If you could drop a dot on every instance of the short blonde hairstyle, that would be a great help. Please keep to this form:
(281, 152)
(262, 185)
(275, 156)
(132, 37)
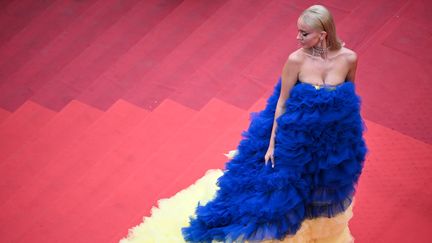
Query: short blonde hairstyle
(319, 17)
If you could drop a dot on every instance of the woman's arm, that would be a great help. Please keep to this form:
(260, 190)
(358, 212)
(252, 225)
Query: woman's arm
(352, 60)
(289, 78)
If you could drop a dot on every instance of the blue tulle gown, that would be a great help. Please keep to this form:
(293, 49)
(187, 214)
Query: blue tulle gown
(319, 155)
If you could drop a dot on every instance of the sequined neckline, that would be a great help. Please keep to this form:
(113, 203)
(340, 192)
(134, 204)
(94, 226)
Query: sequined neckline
(320, 86)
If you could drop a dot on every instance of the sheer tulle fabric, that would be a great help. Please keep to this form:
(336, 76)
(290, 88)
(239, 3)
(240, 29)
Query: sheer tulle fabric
(167, 219)
(319, 154)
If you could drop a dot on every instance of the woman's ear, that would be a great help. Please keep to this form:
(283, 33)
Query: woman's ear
(323, 35)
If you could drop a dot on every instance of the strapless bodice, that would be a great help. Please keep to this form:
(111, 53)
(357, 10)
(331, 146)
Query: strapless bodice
(320, 86)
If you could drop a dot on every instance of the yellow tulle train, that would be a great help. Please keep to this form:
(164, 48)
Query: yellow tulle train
(172, 214)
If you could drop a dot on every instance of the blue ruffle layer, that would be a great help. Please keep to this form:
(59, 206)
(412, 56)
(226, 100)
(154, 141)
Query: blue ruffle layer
(319, 155)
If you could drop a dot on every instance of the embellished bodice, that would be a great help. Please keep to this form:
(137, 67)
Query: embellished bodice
(320, 86)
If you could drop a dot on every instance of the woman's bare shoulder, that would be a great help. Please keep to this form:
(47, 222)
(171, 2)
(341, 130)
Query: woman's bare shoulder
(349, 54)
(296, 57)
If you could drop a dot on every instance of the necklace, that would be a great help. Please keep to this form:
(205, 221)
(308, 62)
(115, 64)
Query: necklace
(319, 51)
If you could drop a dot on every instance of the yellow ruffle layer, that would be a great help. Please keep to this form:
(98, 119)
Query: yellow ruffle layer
(173, 213)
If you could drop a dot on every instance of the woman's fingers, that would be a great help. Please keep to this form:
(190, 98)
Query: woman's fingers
(271, 158)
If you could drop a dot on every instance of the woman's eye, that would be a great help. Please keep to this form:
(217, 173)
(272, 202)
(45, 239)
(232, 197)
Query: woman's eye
(304, 34)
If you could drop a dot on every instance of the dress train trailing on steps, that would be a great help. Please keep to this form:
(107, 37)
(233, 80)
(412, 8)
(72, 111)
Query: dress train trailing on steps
(307, 197)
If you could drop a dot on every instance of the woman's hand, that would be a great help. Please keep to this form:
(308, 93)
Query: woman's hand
(270, 155)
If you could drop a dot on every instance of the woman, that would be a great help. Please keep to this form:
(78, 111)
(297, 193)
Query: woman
(294, 173)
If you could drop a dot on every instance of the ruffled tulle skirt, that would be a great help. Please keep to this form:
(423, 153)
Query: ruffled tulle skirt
(172, 214)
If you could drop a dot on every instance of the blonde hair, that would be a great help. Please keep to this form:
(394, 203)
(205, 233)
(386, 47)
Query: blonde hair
(319, 17)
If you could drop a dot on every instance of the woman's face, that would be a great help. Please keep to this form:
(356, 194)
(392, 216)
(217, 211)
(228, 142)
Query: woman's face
(306, 36)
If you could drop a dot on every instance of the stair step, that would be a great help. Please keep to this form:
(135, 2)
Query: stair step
(34, 155)
(22, 126)
(213, 156)
(4, 114)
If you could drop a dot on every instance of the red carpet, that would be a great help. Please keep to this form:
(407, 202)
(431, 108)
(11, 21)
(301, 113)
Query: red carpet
(107, 106)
